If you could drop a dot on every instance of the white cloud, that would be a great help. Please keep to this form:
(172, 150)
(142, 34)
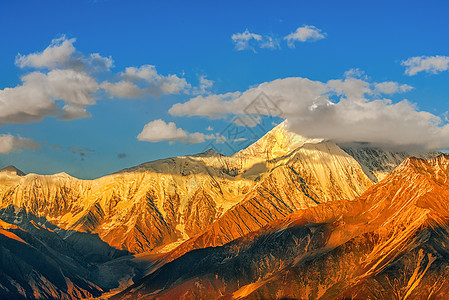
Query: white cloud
(35, 98)
(27, 102)
(430, 64)
(56, 55)
(250, 41)
(9, 143)
(65, 75)
(304, 34)
(270, 42)
(243, 40)
(349, 87)
(159, 130)
(213, 106)
(203, 87)
(196, 138)
(145, 80)
(62, 54)
(65, 84)
(343, 110)
(73, 87)
(73, 112)
(355, 73)
(122, 89)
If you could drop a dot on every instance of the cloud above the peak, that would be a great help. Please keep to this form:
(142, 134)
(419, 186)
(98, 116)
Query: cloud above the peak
(10, 143)
(429, 64)
(159, 131)
(343, 110)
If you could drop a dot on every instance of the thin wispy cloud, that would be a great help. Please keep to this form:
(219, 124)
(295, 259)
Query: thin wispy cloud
(428, 64)
(252, 41)
(244, 40)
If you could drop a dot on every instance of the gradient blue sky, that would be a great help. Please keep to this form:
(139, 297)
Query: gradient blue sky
(192, 39)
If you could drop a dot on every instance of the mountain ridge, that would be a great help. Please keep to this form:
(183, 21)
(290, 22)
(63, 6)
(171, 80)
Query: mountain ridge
(387, 243)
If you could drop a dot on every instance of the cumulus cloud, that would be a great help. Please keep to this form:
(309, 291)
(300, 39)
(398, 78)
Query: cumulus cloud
(56, 55)
(10, 143)
(65, 82)
(304, 34)
(145, 80)
(35, 98)
(430, 64)
(159, 130)
(64, 75)
(62, 54)
(342, 110)
(212, 106)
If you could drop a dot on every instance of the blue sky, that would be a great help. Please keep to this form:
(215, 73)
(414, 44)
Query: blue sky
(202, 50)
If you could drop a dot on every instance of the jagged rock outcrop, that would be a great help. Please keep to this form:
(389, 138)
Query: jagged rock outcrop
(377, 163)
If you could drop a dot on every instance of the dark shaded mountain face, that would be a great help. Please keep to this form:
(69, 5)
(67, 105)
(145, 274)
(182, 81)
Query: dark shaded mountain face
(40, 260)
(389, 243)
(30, 268)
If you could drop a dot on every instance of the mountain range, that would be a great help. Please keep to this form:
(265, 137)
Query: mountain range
(241, 226)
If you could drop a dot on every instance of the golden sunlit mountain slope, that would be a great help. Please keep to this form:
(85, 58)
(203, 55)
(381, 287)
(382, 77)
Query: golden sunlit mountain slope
(389, 243)
(157, 205)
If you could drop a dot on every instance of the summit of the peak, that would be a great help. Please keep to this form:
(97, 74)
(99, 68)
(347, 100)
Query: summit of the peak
(277, 142)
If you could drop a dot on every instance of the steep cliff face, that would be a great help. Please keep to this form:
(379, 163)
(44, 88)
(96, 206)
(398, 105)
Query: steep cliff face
(389, 243)
(158, 205)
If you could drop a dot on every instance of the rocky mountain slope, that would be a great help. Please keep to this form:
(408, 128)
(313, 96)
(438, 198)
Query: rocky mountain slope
(107, 233)
(157, 205)
(377, 163)
(389, 243)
